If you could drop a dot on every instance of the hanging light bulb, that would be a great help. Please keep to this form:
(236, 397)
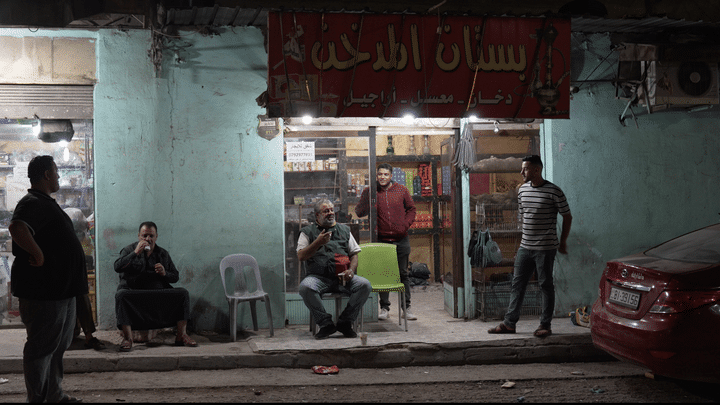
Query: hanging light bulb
(306, 119)
(497, 127)
(66, 154)
(408, 119)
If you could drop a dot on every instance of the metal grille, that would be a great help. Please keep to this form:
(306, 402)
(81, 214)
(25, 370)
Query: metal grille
(46, 101)
(493, 301)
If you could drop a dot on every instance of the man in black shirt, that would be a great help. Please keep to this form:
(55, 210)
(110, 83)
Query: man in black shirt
(47, 274)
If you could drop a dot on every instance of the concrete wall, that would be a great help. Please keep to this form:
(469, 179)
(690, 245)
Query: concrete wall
(629, 188)
(181, 149)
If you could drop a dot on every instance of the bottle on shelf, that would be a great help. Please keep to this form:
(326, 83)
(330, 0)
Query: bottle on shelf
(390, 150)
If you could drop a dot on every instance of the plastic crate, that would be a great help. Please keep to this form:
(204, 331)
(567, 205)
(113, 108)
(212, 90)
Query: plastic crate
(493, 300)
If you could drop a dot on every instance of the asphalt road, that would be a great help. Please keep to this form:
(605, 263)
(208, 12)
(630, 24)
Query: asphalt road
(567, 382)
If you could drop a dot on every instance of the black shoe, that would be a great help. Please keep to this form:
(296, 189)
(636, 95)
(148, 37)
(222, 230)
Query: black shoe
(346, 329)
(326, 331)
(94, 343)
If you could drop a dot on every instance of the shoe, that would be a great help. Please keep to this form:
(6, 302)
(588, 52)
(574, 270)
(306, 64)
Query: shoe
(383, 314)
(542, 331)
(501, 329)
(410, 316)
(326, 331)
(346, 329)
(126, 345)
(186, 341)
(70, 400)
(94, 343)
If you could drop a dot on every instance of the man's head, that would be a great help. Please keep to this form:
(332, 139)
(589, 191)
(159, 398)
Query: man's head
(384, 174)
(43, 173)
(148, 232)
(325, 213)
(531, 169)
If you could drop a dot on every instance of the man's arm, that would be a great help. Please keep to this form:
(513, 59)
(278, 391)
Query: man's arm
(363, 206)
(410, 209)
(22, 236)
(567, 223)
(308, 251)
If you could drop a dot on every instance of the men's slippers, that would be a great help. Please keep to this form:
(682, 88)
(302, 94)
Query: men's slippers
(501, 329)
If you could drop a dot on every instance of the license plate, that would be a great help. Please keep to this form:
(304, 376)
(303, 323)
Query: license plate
(625, 298)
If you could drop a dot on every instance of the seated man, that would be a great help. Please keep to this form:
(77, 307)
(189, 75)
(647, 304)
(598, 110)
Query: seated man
(331, 255)
(145, 299)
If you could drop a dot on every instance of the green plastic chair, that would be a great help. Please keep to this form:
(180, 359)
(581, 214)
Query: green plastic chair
(377, 262)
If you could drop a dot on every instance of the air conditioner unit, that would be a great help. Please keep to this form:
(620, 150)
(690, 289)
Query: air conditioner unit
(681, 83)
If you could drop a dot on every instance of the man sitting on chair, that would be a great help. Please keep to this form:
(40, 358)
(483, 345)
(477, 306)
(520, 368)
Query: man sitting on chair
(330, 253)
(145, 299)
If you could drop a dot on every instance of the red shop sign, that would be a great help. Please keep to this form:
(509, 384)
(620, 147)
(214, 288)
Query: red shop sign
(379, 65)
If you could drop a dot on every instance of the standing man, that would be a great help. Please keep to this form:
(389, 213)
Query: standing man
(330, 252)
(47, 275)
(539, 203)
(395, 215)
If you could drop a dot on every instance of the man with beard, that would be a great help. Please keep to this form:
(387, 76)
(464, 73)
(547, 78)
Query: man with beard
(330, 252)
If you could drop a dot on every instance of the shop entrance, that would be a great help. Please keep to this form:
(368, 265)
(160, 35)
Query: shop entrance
(346, 154)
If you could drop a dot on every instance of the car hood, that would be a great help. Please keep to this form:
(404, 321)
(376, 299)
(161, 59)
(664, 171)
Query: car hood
(661, 265)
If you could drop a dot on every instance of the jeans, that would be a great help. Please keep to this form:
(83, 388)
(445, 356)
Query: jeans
(313, 287)
(49, 326)
(526, 262)
(403, 256)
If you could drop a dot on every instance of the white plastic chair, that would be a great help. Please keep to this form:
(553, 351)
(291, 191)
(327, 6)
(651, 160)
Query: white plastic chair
(238, 263)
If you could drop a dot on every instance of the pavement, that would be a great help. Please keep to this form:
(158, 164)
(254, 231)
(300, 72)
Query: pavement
(434, 339)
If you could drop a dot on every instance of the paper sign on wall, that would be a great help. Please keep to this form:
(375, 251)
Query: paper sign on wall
(300, 151)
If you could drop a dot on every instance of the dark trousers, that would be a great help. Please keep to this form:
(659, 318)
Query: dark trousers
(527, 262)
(49, 326)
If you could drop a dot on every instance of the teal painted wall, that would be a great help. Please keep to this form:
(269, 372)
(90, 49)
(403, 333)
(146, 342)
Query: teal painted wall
(181, 149)
(629, 188)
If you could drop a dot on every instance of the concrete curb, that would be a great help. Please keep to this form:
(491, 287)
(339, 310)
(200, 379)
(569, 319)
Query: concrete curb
(554, 349)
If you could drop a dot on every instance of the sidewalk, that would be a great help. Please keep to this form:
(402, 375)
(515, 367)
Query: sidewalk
(434, 339)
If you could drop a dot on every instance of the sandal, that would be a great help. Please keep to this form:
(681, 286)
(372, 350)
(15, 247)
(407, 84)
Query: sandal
(501, 329)
(186, 341)
(126, 345)
(542, 332)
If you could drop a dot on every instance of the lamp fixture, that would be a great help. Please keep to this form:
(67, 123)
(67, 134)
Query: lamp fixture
(307, 119)
(52, 131)
(497, 127)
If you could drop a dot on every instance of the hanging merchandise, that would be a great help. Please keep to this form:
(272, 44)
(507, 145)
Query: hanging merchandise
(390, 150)
(483, 251)
(464, 154)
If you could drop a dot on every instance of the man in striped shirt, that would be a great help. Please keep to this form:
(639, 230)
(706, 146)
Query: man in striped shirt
(540, 201)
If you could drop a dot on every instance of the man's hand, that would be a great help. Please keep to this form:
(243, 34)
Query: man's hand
(159, 269)
(346, 276)
(324, 237)
(37, 259)
(563, 247)
(141, 247)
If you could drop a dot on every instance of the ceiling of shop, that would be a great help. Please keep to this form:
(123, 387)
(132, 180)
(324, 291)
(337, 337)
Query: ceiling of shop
(643, 17)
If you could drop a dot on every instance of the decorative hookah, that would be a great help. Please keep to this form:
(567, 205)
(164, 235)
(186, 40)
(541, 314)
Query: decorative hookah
(412, 145)
(426, 149)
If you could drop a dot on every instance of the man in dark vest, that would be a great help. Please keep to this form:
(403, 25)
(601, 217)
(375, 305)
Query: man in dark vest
(330, 253)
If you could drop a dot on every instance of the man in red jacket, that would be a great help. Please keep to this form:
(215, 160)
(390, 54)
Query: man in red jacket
(395, 213)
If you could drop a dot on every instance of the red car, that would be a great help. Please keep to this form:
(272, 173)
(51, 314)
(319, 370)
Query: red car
(661, 308)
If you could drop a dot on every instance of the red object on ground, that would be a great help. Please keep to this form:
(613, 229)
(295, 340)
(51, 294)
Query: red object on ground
(325, 370)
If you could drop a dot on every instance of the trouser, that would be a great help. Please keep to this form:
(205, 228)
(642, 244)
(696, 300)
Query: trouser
(49, 326)
(403, 256)
(526, 262)
(85, 320)
(313, 287)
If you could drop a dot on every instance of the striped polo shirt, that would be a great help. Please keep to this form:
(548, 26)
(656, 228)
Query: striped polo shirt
(538, 210)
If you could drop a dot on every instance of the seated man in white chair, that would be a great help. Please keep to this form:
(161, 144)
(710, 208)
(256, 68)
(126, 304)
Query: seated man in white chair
(330, 252)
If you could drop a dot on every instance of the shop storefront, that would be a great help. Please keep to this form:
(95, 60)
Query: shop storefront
(407, 90)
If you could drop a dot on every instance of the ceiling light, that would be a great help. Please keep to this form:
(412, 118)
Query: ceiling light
(497, 127)
(307, 120)
(408, 119)
(55, 130)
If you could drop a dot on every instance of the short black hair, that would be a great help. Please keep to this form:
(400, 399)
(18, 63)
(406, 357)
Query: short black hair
(386, 166)
(149, 224)
(38, 166)
(533, 159)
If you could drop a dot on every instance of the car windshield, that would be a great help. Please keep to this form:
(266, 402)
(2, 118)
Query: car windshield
(701, 246)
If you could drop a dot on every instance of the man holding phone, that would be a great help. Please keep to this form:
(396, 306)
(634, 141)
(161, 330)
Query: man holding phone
(330, 252)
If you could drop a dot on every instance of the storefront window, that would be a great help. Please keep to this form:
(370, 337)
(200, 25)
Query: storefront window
(19, 143)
